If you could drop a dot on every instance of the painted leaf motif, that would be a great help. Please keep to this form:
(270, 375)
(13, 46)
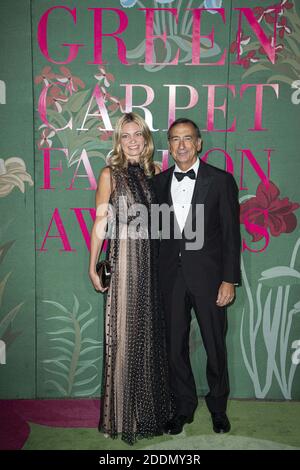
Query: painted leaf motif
(280, 276)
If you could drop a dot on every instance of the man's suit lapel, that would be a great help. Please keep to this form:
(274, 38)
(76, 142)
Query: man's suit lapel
(166, 186)
(169, 183)
(202, 184)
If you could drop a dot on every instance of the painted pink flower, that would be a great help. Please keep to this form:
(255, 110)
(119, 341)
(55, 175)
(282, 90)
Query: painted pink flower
(106, 77)
(283, 27)
(46, 76)
(105, 135)
(284, 5)
(278, 48)
(241, 40)
(116, 104)
(72, 82)
(267, 13)
(55, 97)
(281, 217)
(259, 12)
(250, 57)
(270, 15)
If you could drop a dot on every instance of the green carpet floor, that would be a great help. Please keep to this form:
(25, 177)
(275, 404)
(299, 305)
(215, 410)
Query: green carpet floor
(254, 425)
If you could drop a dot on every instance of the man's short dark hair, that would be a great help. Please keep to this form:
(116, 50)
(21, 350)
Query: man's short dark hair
(185, 121)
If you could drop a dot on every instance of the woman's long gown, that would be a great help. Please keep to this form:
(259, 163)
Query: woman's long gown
(136, 401)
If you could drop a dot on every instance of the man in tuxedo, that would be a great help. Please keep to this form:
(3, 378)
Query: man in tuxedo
(195, 276)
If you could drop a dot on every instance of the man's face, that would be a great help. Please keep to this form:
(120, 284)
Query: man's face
(184, 145)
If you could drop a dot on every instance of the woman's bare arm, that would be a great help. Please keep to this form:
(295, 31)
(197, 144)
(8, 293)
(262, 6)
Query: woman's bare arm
(99, 228)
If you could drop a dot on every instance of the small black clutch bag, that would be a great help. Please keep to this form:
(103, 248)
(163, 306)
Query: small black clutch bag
(103, 270)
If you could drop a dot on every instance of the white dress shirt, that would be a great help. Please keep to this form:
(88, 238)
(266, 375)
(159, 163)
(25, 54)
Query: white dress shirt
(182, 193)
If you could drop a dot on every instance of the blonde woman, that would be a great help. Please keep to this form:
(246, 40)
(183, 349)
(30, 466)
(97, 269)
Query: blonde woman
(135, 399)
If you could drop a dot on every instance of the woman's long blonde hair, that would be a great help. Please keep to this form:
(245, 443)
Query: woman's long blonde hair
(117, 160)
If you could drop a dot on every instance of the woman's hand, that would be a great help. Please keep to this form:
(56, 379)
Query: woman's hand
(99, 227)
(96, 282)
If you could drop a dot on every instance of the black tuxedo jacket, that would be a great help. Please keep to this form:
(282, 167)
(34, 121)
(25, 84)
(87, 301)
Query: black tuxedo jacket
(219, 258)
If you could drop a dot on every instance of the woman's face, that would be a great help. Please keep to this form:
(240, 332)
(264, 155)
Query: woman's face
(132, 141)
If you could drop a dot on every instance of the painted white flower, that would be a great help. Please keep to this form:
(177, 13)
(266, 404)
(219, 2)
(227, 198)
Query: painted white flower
(47, 134)
(13, 173)
(212, 4)
(106, 77)
(128, 3)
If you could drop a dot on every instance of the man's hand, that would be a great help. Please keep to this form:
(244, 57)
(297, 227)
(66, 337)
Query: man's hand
(226, 294)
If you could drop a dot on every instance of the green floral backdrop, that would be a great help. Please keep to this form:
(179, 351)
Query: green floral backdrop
(51, 319)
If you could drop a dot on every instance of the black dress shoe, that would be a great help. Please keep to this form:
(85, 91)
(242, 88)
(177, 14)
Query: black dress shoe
(221, 423)
(175, 425)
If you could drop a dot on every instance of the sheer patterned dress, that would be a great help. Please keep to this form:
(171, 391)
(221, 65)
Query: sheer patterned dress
(135, 389)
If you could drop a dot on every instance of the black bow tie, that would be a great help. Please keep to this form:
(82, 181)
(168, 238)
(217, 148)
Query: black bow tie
(191, 174)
